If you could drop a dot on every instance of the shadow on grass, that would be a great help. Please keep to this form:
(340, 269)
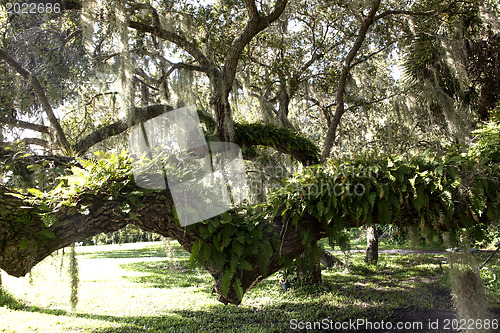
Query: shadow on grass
(10, 302)
(213, 318)
(159, 250)
(132, 253)
(400, 284)
(168, 274)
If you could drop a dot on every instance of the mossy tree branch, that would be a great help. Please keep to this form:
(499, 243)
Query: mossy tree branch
(435, 195)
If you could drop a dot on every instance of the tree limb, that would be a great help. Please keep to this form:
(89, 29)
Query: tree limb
(339, 99)
(253, 13)
(255, 25)
(28, 141)
(94, 213)
(281, 139)
(140, 115)
(39, 91)
(24, 124)
(174, 38)
(181, 65)
(370, 55)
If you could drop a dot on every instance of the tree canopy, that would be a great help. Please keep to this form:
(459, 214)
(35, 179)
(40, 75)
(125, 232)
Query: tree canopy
(314, 81)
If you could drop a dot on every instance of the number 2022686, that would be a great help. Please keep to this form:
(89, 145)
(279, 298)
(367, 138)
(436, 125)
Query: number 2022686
(32, 8)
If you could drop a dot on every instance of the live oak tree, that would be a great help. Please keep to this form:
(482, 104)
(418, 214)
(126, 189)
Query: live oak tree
(51, 199)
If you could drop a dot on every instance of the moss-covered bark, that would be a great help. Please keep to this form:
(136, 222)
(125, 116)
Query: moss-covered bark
(436, 196)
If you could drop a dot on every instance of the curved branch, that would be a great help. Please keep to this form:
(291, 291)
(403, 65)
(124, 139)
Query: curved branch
(181, 65)
(339, 98)
(254, 26)
(40, 240)
(24, 124)
(23, 245)
(281, 139)
(39, 91)
(174, 38)
(28, 141)
(140, 115)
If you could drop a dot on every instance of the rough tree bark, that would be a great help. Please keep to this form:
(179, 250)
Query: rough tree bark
(346, 67)
(371, 256)
(221, 79)
(21, 223)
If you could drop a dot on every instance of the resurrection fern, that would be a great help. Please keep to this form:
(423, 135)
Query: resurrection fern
(445, 193)
(430, 195)
(111, 171)
(276, 137)
(235, 242)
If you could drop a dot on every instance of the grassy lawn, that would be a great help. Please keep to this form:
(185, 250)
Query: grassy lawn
(143, 288)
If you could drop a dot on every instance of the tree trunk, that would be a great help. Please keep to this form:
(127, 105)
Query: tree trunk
(221, 107)
(339, 98)
(23, 245)
(283, 110)
(371, 244)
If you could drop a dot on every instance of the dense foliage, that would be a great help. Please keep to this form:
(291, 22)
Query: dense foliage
(446, 193)
(287, 76)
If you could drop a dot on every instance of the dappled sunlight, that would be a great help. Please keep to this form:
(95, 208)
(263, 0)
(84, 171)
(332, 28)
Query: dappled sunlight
(122, 292)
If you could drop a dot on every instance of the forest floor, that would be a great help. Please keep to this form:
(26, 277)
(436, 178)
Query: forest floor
(150, 287)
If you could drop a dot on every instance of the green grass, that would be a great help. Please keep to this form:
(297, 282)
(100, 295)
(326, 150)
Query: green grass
(143, 288)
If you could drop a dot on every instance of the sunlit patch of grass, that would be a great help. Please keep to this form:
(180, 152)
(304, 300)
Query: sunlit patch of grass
(151, 292)
(153, 249)
(168, 274)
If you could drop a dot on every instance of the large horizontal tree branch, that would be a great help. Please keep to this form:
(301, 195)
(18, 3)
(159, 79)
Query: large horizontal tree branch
(24, 124)
(23, 245)
(40, 240)
(8, 154)
(281, 139)
(140, 115)
(35, 141)
(29, 231)
(247, 135)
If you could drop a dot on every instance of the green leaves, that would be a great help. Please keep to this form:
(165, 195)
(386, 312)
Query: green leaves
(392, 188)
(25, 244)
(237, 288)
(47, 234)
(233, 243)
(108, 170)
(487, 146)
(226, 281)
(384, 212)
(389, 190)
